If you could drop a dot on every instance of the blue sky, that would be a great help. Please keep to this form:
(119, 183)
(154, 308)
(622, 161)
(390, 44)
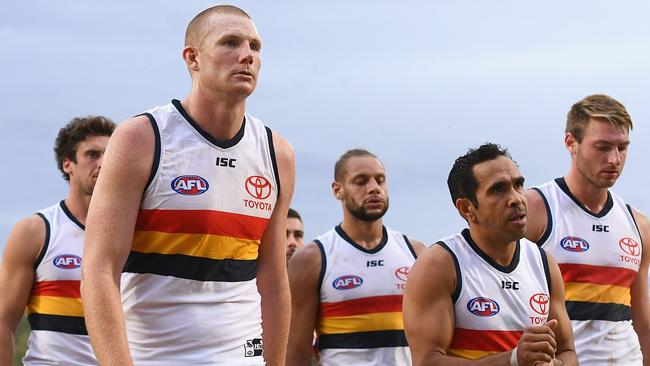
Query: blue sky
(415, 83)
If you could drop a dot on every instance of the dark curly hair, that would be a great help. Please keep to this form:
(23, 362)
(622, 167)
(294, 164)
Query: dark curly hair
(76, 131)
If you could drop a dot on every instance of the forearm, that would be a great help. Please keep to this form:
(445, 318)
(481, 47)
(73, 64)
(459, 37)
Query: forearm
(566, 358)
(105, 319)
(437, 359)
(6, 346)
(644, 340)
(276, 313)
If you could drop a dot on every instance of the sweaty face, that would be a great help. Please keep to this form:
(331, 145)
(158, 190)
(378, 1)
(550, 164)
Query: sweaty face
(295, 235)
(601, 155)
(363, 191)
(84, 172)
(228, 58)
(501, 211)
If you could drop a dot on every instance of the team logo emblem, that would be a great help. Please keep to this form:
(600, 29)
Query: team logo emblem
(67, 261)
(258, 187)
(539, 303)
(574, 244)
(253, 347)
(190, 185)
(630, 246)
(347, 282)
(403, 273)
(483, 306)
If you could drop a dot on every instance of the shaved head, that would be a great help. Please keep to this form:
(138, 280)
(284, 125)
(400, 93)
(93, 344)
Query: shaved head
(196, 30)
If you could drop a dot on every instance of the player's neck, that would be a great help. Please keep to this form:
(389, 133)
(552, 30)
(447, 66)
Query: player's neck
(592, 197)
(367, 234)
(220, 117)
(501, 250)
(77, 204)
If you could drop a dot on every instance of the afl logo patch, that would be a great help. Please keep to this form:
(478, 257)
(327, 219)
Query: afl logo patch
(347, 282)
(190, 185)
(574, 244)
(67, 261)
(483, 306)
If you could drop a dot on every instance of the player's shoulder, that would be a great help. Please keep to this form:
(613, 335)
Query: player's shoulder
(27, 237)
(307, 258)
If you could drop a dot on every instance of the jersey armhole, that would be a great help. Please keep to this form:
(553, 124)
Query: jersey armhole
(629, 208)
(549, 219)
(547, 272)
(46, 244)
(459, 278)
(323, 264)
(410, 246)
(157, 149)
(276, 173)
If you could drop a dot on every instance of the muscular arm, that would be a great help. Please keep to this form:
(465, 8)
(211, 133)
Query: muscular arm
(418, 246)
(537, 216)
(639, 291)
(565, 354)
(109, 234)
(429, 318)
(272, 280)
(16, 278)
(304, 274)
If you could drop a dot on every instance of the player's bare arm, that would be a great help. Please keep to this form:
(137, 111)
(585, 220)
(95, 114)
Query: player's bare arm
(418, 246)
(109, 234)
(23, 246)
(565, 354)
(536, 220)
(304, 273)
(272, 279)
(639, 290)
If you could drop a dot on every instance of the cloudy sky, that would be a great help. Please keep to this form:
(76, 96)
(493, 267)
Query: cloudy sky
(417, 83)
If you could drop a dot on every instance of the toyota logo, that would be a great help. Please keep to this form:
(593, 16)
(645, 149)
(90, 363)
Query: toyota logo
(258, 187)
(630, 246)
(403, 273)
(539, 303)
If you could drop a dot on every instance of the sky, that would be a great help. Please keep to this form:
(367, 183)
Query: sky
(417, 83)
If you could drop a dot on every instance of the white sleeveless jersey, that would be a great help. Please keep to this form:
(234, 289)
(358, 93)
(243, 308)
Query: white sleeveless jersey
(55, 313)
(188, 287)
(493, 304)
(360, 316)
(599, 256)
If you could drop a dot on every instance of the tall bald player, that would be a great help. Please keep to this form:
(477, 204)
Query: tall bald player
(189, 219)
(597, 238)
(348, 283)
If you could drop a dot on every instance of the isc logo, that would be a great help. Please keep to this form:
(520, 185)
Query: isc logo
(483, 306)
(190, 185)
(574, 244)
(347, 282)
(67, 261)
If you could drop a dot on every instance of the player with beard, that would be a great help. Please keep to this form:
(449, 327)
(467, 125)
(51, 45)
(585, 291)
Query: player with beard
(41, 270)
(348, 283)
(597, 238)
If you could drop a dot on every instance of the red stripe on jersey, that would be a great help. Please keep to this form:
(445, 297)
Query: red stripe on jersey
(364, 305)
(202, 222)
(56, 288)
(601, 275)
(485, 340)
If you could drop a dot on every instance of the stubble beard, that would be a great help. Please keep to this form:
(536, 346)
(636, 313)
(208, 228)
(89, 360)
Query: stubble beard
(362, 214)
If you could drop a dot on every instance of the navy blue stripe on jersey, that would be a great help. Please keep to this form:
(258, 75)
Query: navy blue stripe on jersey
(459, 277)
(67, 212)
(505, 269)
(58, 323)
(580, 310)
(224, 144)
(608, 204)
(376, 339)
(276, 173)
(549, 219)
(547, 271)
(408, 243)
(629, 208)
(380, 246)
(323, 264)
(157, 147)
(46, 243)
(191, 268)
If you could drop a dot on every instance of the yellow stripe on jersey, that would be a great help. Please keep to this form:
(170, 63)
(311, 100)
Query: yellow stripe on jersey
(468, 354)
(361, 323)
(55, 305)
(195, 245)
(590, 292)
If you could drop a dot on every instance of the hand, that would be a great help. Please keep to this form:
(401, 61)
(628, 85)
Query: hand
(537, 345)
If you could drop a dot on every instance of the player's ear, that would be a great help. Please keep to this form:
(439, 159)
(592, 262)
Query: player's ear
(466, 209)
(337, 190)
(570, 143)
(190, 57)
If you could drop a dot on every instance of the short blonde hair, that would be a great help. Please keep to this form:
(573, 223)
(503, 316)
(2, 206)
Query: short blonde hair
(599, 107)
(195, 32)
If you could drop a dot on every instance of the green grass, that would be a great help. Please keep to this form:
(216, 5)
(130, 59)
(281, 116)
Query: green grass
(21, 341)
